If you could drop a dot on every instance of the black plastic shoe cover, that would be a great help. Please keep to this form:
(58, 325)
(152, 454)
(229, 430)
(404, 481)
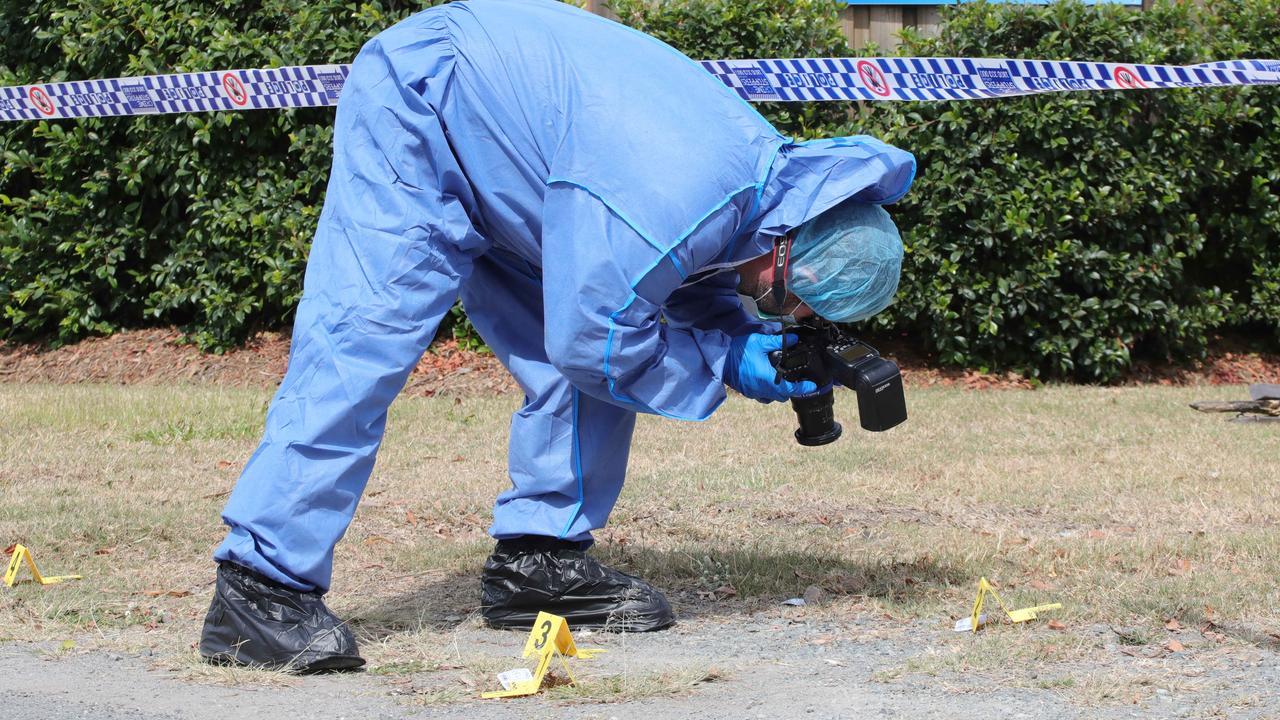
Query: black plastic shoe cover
(253, 621)
(528, 575)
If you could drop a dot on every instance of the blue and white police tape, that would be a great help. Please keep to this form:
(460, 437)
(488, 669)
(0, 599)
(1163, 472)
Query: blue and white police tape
(967, 78)
(286, 87)
(801, 79)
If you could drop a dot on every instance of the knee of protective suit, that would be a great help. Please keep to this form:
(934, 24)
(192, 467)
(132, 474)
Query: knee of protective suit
(582, 361)
(567, 360)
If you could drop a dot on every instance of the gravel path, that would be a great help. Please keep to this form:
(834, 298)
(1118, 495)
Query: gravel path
(775, 667)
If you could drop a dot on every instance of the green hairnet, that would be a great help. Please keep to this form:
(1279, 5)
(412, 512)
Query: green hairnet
(845, 263)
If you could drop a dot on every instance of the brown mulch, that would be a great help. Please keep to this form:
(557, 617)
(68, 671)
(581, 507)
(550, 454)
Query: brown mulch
(1229, 362)
(159, 357)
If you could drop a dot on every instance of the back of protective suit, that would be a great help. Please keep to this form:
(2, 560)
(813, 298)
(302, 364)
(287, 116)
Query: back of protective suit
(541, 92)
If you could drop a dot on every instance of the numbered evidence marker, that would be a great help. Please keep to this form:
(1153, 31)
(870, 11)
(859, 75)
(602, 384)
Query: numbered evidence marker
(977, 619)
(20, 553)
(550, 636)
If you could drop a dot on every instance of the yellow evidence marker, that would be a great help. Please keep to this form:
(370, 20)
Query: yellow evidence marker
(976, 619)
(550, 636)
(20, 553)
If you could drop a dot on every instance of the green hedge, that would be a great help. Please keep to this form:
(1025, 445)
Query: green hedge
(200, 220)
(1059, 236)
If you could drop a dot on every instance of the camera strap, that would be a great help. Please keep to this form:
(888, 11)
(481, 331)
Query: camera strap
(781, 261)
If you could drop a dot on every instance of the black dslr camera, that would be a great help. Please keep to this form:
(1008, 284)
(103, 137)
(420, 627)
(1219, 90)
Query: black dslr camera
(825, 354)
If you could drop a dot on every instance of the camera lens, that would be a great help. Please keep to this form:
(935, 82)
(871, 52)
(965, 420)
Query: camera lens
(816, 416)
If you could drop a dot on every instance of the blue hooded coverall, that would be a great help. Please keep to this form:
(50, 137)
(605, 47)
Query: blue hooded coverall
(586, 190)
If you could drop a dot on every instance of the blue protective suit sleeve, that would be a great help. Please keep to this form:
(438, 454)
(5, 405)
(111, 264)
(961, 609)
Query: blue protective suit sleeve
(712, 304)
(605, 336)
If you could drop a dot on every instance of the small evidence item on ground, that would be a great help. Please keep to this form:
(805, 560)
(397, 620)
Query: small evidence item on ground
(549, 637)
(1263, 405)
(977, 618)
(813, 595)
(20, 554)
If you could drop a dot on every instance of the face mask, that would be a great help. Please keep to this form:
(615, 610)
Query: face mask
(752, 306)
(781, 259)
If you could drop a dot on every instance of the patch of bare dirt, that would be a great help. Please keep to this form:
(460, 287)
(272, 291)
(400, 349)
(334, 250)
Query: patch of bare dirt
(159, 356)
(1229, 362)
(1226, 365)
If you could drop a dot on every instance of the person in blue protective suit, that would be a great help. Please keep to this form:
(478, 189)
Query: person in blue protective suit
(597, 200)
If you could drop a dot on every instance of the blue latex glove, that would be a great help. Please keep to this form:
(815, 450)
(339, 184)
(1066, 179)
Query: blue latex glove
(747, 369)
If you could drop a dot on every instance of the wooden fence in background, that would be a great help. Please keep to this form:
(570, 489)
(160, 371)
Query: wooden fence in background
(864, 24)
(880, 24)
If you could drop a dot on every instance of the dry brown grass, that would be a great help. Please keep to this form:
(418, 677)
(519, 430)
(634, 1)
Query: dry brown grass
(1120, 503)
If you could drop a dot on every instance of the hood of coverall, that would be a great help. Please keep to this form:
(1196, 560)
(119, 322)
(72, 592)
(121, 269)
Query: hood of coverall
(844, 176)
(808, 178)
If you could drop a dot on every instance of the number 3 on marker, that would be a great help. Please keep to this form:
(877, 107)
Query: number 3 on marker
(546, 631)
